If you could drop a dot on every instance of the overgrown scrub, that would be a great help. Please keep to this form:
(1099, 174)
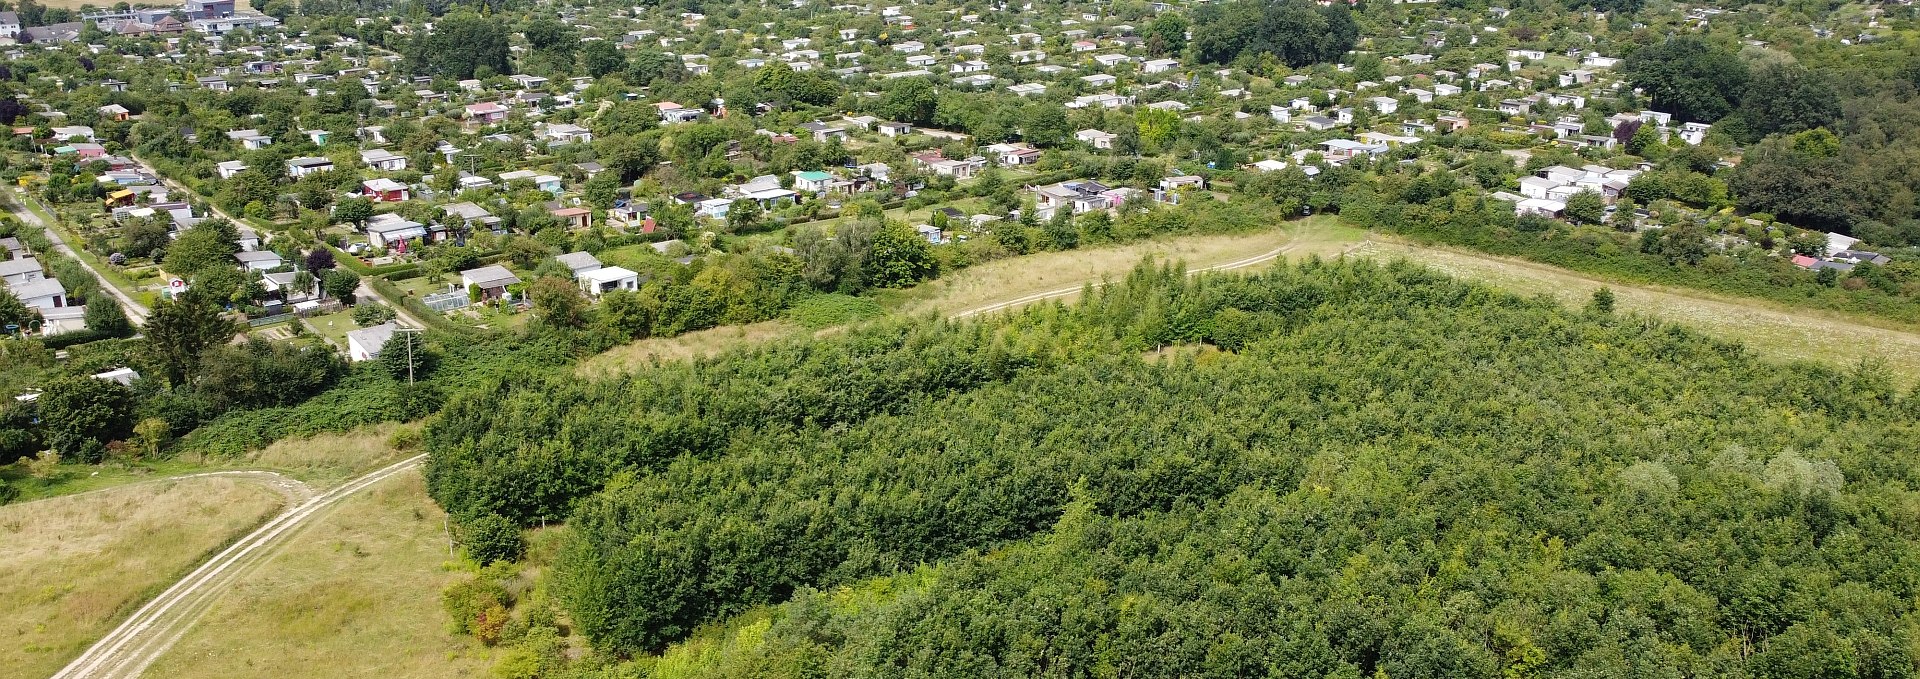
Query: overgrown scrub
(828, 310)
(1390, 472)
(369, 395)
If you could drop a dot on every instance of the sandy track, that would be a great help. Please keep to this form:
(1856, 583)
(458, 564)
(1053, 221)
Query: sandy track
(131, 647)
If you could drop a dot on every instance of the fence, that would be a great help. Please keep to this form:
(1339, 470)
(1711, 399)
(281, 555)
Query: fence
(269, 320)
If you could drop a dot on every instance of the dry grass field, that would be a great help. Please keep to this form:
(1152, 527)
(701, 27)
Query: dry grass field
(1769, 329)
(641, 353)
(1015, 277)
(327, 459)
(1002, 280)
(71, 567)
(357, 594)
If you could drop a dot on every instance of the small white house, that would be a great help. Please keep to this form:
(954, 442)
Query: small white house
(258, 260)
(46, 293)
(364, 344)
(229, 168)
(21, 271)
(301, 167)
(1096, 138)
(608, 279)
(383, 160)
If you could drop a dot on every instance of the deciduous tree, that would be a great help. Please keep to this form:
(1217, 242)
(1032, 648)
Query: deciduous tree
(180, 330)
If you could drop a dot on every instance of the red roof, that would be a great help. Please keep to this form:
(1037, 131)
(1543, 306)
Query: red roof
(1804, 261)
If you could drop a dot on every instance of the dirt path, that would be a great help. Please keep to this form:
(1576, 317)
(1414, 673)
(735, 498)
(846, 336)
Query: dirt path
(136, 311)
(130, 648)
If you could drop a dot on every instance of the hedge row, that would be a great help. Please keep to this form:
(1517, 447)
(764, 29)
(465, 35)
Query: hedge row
(419, 309)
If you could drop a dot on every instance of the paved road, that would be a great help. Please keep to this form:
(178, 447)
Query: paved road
(127, 651)
(135, 310)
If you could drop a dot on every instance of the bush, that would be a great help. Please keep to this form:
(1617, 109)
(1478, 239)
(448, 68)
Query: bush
(369, 315)
(466, 601)
(492, 538)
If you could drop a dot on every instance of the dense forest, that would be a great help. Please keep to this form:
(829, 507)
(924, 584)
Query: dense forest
(1341, 469)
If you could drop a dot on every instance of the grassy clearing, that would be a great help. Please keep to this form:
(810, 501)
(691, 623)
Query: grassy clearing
(71, 479)
(73, 567)
(634, 355)
(320, 461)
(1014, 277)
(421, 287)
(1767, 328)
(357, 594)
(328, 459)
(999, 281)
(333, 326)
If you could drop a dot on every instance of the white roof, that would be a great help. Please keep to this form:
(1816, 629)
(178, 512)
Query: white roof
(768, 194)
(124, 376)
(371, 339)
(609, 274)
(28, 264)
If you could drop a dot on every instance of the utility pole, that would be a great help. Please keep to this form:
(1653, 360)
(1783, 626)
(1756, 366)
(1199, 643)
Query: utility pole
(412, 336)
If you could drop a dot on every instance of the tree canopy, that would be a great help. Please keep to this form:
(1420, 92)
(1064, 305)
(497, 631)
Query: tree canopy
(1297, 32)
(462, 45)
(1692, 79)
(1330, 469)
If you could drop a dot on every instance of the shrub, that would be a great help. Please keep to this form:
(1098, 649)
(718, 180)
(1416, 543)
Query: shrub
(492, 538)
(368, 315)
(466, 601)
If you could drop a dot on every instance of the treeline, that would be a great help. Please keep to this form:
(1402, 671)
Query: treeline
(1373, 441)
(378, 391)
(528, 447)
(1829, 137)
